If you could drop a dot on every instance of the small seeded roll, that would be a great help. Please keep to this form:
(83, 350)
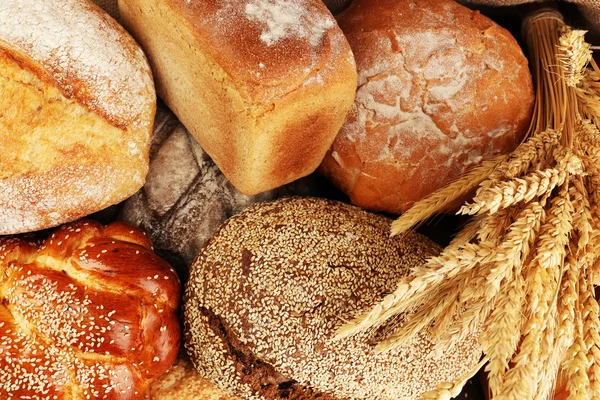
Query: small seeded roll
(270, 288)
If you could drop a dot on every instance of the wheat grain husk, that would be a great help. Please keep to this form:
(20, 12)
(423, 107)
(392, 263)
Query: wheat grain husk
(524, 268)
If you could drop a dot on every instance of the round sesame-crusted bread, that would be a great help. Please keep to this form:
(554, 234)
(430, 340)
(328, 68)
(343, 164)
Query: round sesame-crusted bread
(269, 289)
(90, 313)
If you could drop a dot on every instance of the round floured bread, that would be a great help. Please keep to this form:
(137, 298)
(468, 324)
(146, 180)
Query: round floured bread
(76, 113)
(269, 289)
(440, 89)
(186, 197)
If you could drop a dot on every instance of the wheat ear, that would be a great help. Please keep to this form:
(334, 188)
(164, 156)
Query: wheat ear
(573, 55)
(592, 341)
(422, 280)
(549, 361)
(508, 193)
(502, 332)
(531, 152)
(515, 247)
(440, 199)
(449, 390)
(441, 304)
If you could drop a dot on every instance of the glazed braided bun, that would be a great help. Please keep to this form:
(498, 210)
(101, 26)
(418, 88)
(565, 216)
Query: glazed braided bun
(91, 313)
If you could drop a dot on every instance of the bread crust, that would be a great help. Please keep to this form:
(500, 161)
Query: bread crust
(265, 110)
(76, 113)
(183, 382)
(90, 312)
(269, 289)
(441, 88)
(186, 197)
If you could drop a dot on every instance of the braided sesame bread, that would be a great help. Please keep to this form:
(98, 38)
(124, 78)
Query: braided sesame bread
(263, 85)
(76, 113)
(440, 88)
(270, 288)
(90, 313)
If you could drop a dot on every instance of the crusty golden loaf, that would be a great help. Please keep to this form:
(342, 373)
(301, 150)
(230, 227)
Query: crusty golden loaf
(263, 85)
(91, 312)
(76, 111)
(270, 288)
(440, 89)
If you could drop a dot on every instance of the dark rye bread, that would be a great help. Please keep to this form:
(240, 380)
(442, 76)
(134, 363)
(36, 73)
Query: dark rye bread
(269, 289)
(186, 197)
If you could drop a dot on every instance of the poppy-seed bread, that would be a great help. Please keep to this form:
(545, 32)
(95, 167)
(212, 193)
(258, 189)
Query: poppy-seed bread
(269, 289)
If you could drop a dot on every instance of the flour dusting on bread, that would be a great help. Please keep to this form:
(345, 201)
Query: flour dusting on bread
(82, 49)
(287, 18)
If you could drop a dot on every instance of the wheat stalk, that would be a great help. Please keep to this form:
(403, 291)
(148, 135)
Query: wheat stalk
(573, 55)
(549, 361)
(449, 390)
(578, 382)
(502, 333)
(508, 193)
(591, 331)
(422, 279)
(438, 201)
(531, 152)
(522, 270)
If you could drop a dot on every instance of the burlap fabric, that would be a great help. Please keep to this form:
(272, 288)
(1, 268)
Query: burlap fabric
(590, 9)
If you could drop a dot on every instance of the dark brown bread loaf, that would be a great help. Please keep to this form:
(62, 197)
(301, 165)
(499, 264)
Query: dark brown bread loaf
(186, 197)
(269, 289)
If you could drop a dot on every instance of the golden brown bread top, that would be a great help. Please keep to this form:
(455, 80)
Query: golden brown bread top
(267, 49)
(91, 312)
(84, 52)
(440, 89)
(76, 113)
(269, 289)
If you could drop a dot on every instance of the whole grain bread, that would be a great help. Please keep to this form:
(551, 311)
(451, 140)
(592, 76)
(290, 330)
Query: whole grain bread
(269, 289)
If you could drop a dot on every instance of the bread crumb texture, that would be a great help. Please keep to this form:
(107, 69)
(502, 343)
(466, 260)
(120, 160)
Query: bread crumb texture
(183, 382)
(89, 313)
(270, 288)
